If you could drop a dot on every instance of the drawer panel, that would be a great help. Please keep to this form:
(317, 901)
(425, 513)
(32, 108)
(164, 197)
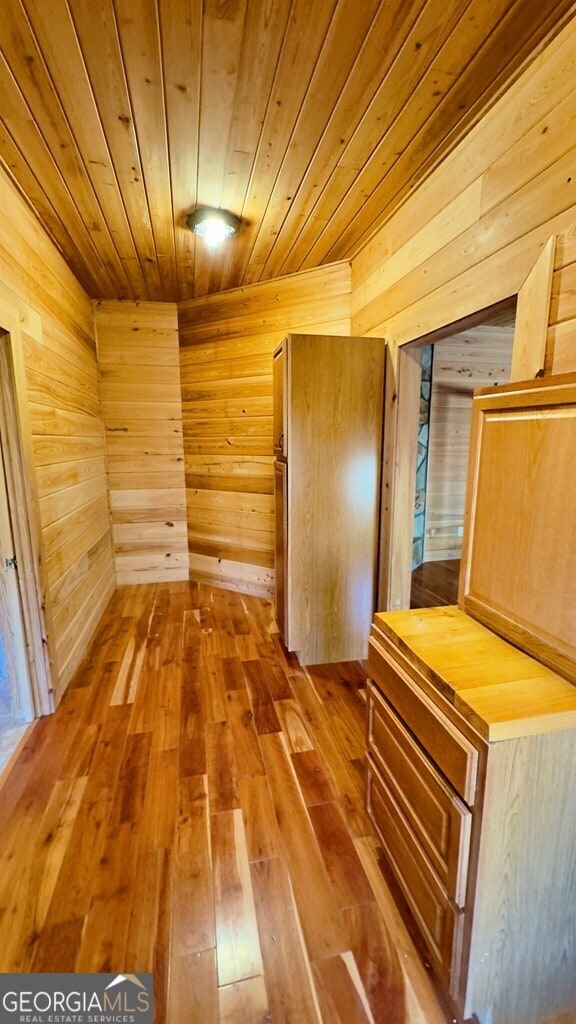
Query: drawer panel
(439, 819)
(439, 922)
(454, 755)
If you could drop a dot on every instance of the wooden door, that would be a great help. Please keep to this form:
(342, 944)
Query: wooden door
(15, 700)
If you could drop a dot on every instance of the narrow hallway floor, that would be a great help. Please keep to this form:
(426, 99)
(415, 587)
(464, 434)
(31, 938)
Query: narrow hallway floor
(195, 808)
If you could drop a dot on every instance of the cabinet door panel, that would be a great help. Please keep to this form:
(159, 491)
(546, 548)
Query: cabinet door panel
(440, 820)
(456, 758)
(440, 923)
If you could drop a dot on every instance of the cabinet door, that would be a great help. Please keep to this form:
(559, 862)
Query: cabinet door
(278, 411)
(335, 432)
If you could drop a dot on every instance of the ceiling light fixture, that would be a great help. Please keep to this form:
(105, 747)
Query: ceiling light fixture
(215, 226)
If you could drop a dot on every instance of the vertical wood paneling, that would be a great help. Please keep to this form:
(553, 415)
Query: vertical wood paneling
(561, 340)
(141, 406)
(471, 359)
(226, 346)
(49, 317)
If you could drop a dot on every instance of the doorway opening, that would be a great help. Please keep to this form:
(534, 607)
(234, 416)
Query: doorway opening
(452, 368)
(25, 688)
(15, 693)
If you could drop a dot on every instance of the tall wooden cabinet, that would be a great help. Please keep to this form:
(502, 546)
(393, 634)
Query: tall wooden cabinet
(328, 402)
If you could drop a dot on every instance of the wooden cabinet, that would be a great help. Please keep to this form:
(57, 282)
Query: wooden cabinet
(328, 402)
(473, 795)
(519, 550)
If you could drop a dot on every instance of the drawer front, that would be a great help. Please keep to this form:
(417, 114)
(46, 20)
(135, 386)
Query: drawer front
(454, 755)
(440, 923)
(439, 819)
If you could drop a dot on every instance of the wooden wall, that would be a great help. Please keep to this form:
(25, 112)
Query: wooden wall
(49, 317)
(227, 342)
(471, 359)
(469, 235)
(466, 239)
(141, 404)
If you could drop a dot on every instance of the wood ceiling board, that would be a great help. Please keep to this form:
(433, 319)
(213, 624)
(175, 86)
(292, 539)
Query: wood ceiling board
(312, 121)
(443, 105)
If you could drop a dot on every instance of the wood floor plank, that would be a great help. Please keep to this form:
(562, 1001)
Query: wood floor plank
(245, 1002)
(246, 647)
(319, 914)
(214, 689)
(193, 897)
(233, 673)
(158, 823)
(237, 942)
(128, 676)
(347, 782)
(314, 782)
(26, 912)
(55, 951)
(265, 715)
(148, 889)
(291, 993)
(105, 934)
(132, 780)
(276, 678)
(245, 738)
(80, 756)
(422, 1005)
(192, 739)
(342, 999)
(293, 726)
(378, 963)
(344, 867)
(193, 994)
(262, 834)
(221, 767)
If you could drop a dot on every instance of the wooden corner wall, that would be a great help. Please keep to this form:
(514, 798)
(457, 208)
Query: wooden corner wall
(49, 318)
(226, 346)
(141, 405)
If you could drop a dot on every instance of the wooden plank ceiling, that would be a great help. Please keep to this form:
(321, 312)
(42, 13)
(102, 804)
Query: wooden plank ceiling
(311, 119)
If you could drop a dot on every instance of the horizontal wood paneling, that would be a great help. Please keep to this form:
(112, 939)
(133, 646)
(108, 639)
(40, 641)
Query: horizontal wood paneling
(226, 350)
(471, 359)
(50, 319)
(523, 155)
(140, 386)
(520, 160)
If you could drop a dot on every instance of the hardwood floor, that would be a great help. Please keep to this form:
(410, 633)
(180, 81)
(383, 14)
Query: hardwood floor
(195, 808)
(435, 583)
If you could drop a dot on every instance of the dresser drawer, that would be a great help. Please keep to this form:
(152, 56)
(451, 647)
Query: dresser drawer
(437, 816)
(439, 921)
(454, 755)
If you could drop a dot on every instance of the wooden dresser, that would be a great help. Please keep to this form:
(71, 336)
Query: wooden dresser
(471, 784)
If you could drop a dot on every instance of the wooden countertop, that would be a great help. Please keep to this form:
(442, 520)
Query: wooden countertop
(503, 692)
